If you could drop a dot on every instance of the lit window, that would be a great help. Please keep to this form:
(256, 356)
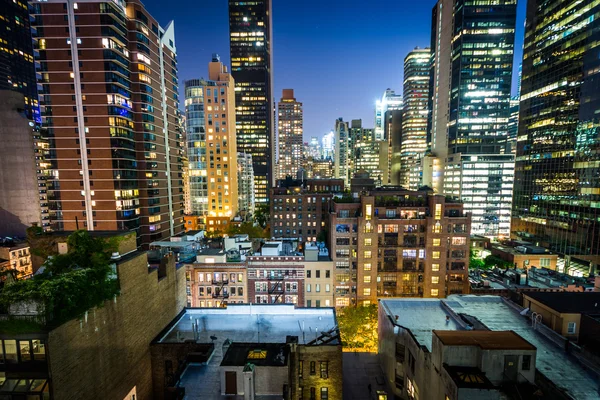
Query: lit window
(437, 242)
(367, 266)
(435, 255)
(459, 241)
(366, 291)
(435, 279)
(367, 254)
(257, 354)
(434, 292)
(367, 279)
(368, 241)
(435, 267)
(438, 211)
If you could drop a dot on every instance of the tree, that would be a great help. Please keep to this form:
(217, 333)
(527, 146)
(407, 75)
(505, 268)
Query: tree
(358, 328)
(247, 228)
(262, 215)
(475, 262)
(492, 261)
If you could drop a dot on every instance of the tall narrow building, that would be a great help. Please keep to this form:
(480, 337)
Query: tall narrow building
(415, 113)
(289, 131)
(245, 184)
(210, 117)
(109, 105)
(557, 179)
(341, 162)
(251, 66)
(471, 73)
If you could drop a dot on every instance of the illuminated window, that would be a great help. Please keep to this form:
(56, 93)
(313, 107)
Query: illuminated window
(436, 242)
(368, 211)
(435, 279)
(257, 354)
(367, 254)
(434, 292)
(435, 255)
(435, 267)
(459, 241)
(368, 241)
(366, 291)
(438, 211)
(367, 279)
(437, 228)
(367, 267)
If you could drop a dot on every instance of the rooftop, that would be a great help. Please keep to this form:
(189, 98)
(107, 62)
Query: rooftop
(486, 340)
(259, 354)
(496, 314)
(568, 302)
(211, 252)
(271, 245)
(468, 377)
(267, 323)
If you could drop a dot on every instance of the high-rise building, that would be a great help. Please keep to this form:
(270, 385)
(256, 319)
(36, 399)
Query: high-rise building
(250, 29)
(342, 151)
(17, 65)
(557, 186)
(392, 243)
(109, 105)
(513, 126)
(365, 152)
(472, 54)
(245, 178)
(389, 100)
(328, 145)
(210, 115)
(415, 115)
(289, 131)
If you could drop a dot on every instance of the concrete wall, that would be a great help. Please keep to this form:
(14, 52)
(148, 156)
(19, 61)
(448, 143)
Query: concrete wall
(323, 295)
(19, 192)
(107, 353)
(554, 320)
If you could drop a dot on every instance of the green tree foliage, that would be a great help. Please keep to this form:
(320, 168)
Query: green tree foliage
(492, 261)
(358, 328)
(247, 228)
(262, 215)
(475, 262)
(72, 283)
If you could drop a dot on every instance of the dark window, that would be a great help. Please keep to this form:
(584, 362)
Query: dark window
(313, 368)
(308, 273)
(313, 393)
(318, 273)
(526, 363)
(327, 274)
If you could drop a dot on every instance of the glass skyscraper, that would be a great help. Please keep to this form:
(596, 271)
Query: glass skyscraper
(557, 185)
(472, 45)
(250, 47)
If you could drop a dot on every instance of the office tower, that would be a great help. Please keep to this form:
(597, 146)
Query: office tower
(557, 187)
(341, 142)
(513, 126)
(18, 177)
(109, 104)
(328, 145)
(289, 131)
(389, 100)
(391, 243)
(210, 116)
(17, 65)
(364, 152)
(472, 53)
(314, 148)
(390, 103)
(414, 123)
(245, 184)
(251, 66)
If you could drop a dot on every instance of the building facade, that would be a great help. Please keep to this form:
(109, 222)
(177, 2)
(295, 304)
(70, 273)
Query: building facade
(214, 169)
(470, 77)
(399, 243)
(276, 279)
(109, 105)
(301, 211)
(557, 186)
(415, 112)
(319, 284)
(289, 132)
(19, 259)
(216, 284)
(245, 183)
(250, 29)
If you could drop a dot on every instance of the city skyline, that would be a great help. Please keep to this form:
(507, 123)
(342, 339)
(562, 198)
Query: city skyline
(304, 42)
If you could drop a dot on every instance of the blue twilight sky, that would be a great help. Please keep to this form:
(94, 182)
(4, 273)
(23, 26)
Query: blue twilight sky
(339, 56)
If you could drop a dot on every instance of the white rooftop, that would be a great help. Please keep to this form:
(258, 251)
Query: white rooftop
(267, 323)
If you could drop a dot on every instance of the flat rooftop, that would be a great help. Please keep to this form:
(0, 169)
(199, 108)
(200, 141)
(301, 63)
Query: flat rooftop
(486, 340)
(259, 354)
(245, 323)
(211, 252)
(411, 314)
(271, 245)
(496, 314)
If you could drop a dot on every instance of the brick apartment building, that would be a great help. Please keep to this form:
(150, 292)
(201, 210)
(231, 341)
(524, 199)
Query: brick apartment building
(216, 284)
(399, 243)
(276, 279)
(299, 211)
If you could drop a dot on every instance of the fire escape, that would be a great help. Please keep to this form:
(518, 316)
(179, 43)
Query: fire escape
(221, 292)
(276, 286)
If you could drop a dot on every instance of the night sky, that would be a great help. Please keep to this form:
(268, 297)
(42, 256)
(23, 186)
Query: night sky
(339, 56)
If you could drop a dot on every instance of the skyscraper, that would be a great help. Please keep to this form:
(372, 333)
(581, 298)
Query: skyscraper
(471, 74)
(109, 103)
(245, 183)
(210, 115)
(250, 46)
(17, 65)
(289, 130)
(557, 183)
(342, 151)
(414, 118)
